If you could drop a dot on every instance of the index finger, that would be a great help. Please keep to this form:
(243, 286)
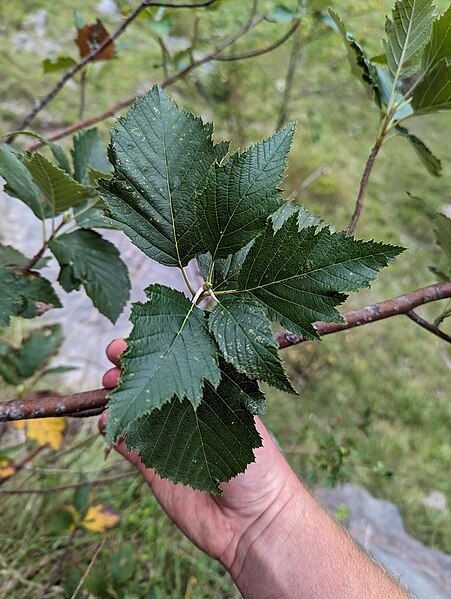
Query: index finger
(115, 349)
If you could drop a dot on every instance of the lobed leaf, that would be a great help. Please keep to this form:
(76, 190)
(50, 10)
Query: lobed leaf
(305, 218)
(300, 277)
(242, 330)
(241, 194)
(207, 446)
(407, 35)
(170, 352)
(161, 156)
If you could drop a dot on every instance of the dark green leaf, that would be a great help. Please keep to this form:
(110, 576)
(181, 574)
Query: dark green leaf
(221, 150)
(361, 67)
(161, 155)
(208, 446)
(58, 64)
(225, 271)
(10, 256)
(242, 329)
(89, 260)
(89, 151)
(431, 162)
(19, 182)
(57, 151)
(170, 352)
(60, 521)
(305, 218)
(61, 191)
(300, 277)
(24, 295)
(442, 226)
(433, 92)
(241, 194)
(439, 45)
(407, 34)
(36, 350)
(8, 370)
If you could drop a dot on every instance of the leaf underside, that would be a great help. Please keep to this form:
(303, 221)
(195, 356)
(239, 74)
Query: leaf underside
(89, 260)
(300, 277)
(170, 352)
(407, 34)
(200, 448)
(430, 161)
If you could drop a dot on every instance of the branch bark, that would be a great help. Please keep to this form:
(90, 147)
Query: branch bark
(70, 74)
(208, 57)
(42, 405)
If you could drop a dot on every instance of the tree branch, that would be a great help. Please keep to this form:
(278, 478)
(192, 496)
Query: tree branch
(65, 131)
(428, 326)
(41, 405)
(95, 52)
(366, 174)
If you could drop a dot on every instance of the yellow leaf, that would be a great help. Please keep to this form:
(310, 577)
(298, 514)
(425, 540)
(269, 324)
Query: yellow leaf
(7, 468)
(46, 431)
(100, 518)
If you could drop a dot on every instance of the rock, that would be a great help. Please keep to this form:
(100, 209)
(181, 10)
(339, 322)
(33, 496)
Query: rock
(437, 501)
(378, 527)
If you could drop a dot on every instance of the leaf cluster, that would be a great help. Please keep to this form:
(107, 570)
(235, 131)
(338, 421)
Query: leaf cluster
(412, 77)
(189, 385)
(62, 195)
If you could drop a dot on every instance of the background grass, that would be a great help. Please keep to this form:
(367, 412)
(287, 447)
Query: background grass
(373, 405)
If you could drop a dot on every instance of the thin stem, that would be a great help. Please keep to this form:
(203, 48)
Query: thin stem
(95, 52)
(41, 252)
(187, 281)
(49, 405)
(428, 326)
(250, 23)
(81, 109)
(367, 172)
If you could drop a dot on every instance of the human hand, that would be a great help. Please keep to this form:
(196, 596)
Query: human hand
(222, 526)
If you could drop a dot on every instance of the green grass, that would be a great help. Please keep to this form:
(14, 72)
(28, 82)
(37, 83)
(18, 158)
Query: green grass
(373, 405)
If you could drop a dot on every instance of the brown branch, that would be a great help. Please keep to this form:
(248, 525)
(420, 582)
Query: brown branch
(65, 131)
(366, 174)
(385, 309)
(260, 51)
(428, 326)
(97, 51)
(43, 406)
(38, 405)
(90, 483)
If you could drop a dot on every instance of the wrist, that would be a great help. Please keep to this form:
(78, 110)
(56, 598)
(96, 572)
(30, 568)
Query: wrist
(267, 541)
